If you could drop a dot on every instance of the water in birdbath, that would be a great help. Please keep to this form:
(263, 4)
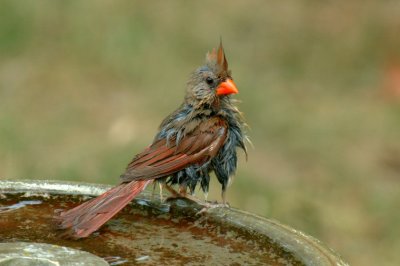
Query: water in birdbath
(147, 233)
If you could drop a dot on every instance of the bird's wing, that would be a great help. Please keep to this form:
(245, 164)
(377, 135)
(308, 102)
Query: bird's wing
(163, 158)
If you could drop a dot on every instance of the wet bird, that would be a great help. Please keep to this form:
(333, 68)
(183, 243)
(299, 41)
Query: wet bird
(198, 138)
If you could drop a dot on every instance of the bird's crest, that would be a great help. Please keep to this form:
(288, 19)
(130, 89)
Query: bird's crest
(216, 58)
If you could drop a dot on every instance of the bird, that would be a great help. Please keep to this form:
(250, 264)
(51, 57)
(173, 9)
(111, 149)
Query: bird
(199, 138)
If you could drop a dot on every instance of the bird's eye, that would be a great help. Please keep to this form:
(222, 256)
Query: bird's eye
(209, 80)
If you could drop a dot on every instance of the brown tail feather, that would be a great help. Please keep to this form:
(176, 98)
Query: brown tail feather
(86, 218)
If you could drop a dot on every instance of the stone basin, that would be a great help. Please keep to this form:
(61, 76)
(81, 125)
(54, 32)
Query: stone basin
(147, 232)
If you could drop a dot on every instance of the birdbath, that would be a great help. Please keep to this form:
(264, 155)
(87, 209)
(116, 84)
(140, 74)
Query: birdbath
(147, 232)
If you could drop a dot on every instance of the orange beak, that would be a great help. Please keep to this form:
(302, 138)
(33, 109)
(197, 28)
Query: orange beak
(227, 87)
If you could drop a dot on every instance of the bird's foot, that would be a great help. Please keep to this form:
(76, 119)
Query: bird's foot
(182, 194)
(206, 205)
(212, 205)
(177, 195)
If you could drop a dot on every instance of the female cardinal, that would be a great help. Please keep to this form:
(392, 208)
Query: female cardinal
(201, 136)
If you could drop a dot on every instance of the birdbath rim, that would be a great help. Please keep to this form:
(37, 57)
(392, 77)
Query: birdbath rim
(305, 248)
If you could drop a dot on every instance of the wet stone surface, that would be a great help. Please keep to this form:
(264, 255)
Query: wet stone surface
(145, 233)
(35, 254)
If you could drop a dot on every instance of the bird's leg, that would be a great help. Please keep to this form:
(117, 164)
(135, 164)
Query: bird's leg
(183, 194)
(174, 193)
(223, 196)
(182, 190)
(195, 199)
(160, 185)
(206, 205)
(153, 191)
(161, 191)
(205, 196)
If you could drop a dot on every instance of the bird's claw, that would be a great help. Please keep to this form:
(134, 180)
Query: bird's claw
(212, 205)
(206, 205)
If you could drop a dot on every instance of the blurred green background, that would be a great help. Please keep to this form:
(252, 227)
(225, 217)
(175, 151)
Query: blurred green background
(85, 84)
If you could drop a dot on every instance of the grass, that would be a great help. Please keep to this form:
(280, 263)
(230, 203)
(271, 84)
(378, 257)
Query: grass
(84, 85)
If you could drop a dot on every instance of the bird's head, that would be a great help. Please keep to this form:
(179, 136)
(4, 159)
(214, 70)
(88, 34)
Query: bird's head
(211, 82)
